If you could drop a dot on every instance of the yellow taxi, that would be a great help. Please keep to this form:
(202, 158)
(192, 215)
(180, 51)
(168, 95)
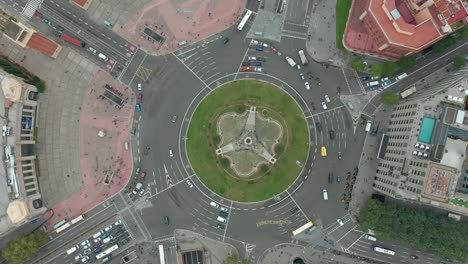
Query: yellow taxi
(323, 151)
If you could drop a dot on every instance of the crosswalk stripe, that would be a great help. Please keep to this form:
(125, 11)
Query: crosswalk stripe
(30, 8)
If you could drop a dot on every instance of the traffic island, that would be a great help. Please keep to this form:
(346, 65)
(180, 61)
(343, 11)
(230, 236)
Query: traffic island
(244, 141)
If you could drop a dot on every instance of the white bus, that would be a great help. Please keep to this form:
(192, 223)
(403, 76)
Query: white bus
(162, 259)
(244, 20)
(383, 250)
(107, 251)
(77, 219)
(303, 58)
(63, 227)
(303, 228)
(408, 92)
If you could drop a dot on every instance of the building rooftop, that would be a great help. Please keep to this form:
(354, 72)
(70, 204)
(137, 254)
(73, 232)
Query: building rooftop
(438, 182)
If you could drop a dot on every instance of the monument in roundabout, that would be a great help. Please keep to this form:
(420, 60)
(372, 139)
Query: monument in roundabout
(247, 141)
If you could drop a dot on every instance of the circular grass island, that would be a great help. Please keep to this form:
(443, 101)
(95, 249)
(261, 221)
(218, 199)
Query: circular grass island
(247, 141)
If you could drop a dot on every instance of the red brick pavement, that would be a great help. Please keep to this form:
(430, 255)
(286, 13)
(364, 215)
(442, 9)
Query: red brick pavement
(100, 155)
(176, 21)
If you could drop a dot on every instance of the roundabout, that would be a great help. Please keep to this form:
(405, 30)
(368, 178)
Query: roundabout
(247, 141)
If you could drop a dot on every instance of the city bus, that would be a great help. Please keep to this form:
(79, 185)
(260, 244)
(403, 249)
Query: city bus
(59, 224)
(162, 259)
(383, 250)
(63, 227)
(77, 219)
(303, 228)
(244, 20)
(107, 251)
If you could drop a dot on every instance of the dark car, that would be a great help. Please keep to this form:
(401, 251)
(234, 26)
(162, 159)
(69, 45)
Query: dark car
(365, 78)
(331, 134)
(57, 33)
(138, 107)
(318, 126)
(414, 257)
(330, 177)
(225, 41)
(256, 63)
(166, 220)
(223, 214)
(246, 63)
(259, 48)
(60, 28)
(294, 209)
(46, 21)
(140, 97)
(97, 250)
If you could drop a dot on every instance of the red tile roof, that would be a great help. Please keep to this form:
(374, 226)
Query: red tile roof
(398, 32)
(44, 45)
(462, 13)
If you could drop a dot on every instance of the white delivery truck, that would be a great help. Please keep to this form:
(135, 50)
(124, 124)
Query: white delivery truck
(303, 58)
(368, 125)
(290, 61)
(373, 83)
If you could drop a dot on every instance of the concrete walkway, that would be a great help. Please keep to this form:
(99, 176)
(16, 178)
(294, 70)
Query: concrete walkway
(321, 44)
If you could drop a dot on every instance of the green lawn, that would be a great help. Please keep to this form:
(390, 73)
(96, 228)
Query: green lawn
(203, 126)
(342, 13)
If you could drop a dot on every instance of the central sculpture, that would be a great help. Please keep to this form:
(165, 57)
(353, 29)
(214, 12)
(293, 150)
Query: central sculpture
(248, 140)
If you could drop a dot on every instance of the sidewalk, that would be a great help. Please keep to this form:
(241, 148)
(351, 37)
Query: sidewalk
(321, 44)
(368, 163)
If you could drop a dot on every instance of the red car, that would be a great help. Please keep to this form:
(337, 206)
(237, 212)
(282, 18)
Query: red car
(143, 174)
(246, 69)
(38, 14)
(140, 97)
(273, 49)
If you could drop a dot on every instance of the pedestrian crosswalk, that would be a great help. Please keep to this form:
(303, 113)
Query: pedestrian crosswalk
(30, 8)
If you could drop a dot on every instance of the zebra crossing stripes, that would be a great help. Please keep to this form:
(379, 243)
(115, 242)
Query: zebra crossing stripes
(249, 248)
(30, 8)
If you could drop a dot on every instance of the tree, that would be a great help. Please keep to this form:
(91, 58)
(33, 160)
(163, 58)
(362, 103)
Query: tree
(406, 62)
(377, 70)
(231, 259)
(391, 98)
(358, 64)
(388, 69)
(24, 247)
(464, 32)
(415, 227)
(459, 61)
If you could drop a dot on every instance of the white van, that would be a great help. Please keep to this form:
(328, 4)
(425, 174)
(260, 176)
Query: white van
(369, 84)
(325, 194)
(102, 56)
(368, 125)
(370, 237)
(98, 234)
(73, 249)
(401, 76)
(106, 240)
(221, 219)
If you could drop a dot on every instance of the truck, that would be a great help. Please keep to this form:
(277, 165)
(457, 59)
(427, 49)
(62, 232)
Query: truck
(290, 61)
(303, 58)
(72, 40)
(408, 92)
(401, 76)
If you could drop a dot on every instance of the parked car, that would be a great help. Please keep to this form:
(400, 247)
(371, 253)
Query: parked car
(223, 214)
(174, 119)
(257, 63)
(46, 21)
(140, 97)
(301, 75)
(331, 134)
(97, 250)
(327, 99)
(338, 178)
(143, 175)
(220, 226)
(340, 222)
(340, 156)
(225, 41)
(138, 107)
(246, 69)
(246, 63)
(139, 87)
(273, 49)
(307, 86)
(252, 58)
(92, 50)
(38, 14)
(324, 106)
(259, 48)
(60, 28)
(166, 220)
(318, 126)
(258, 69)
